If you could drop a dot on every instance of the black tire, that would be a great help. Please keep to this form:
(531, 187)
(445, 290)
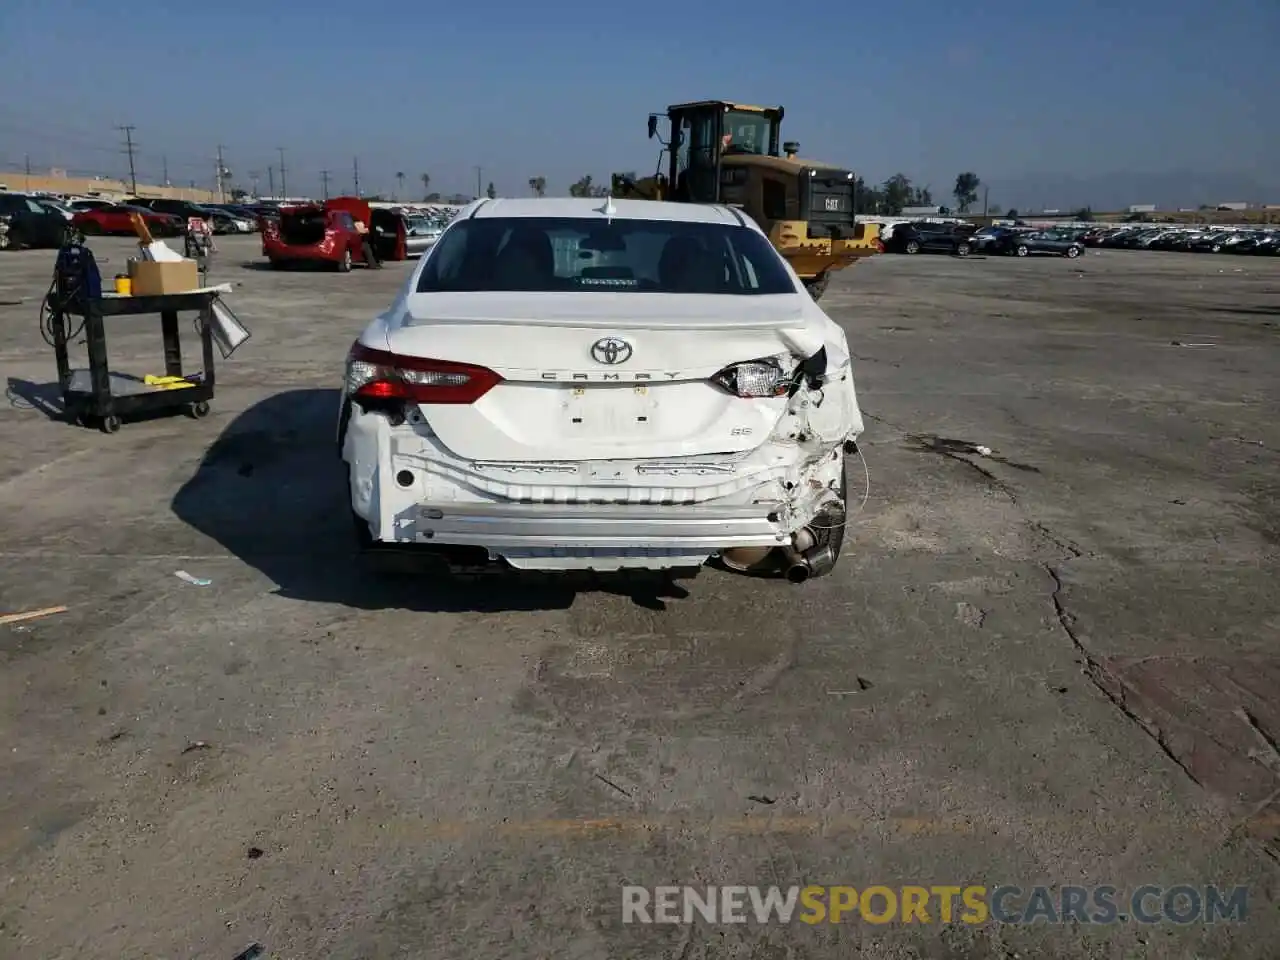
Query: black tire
(109, 424)
(913, 246)
(4, 240)
(344, 265)
(199, 410)
(1021, 250)
(962, 250)
(364, 539)
(1073, 252)
(91, 228)
(817, 286)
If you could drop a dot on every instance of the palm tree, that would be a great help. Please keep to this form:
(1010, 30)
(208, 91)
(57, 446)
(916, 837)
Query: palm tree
(400, 180)
(426, 184)
(538, 185)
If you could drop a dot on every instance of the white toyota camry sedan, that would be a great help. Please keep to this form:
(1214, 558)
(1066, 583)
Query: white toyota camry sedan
(597, 384)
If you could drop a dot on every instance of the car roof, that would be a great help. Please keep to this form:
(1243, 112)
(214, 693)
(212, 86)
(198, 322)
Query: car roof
(593, 208)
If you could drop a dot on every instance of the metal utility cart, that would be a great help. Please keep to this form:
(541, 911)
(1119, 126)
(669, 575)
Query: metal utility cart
(98, 395)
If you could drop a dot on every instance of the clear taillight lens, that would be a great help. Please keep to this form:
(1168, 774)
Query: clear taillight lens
(381, 375)
(757, 378)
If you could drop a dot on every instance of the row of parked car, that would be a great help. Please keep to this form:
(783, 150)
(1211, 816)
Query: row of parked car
(963, 239)
(34, 220)
(1237, 240)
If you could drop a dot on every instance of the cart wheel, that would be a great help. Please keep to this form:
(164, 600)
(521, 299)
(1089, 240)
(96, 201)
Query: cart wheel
(199, 410)
(110, 424)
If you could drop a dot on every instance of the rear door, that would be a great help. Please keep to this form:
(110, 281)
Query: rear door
(48, 225)
(932, 238)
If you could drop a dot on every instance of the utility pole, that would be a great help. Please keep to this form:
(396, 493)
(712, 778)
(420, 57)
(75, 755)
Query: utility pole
(165, 163)
(253, 182)
(355, 168)
(324, 181)
(221, 173)
(986, 195)
(129, 146)
(27, 157)
(479, 177)
(284, 190)
(271, 181)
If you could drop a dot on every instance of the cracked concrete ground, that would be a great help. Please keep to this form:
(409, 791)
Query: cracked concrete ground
(1056, 663)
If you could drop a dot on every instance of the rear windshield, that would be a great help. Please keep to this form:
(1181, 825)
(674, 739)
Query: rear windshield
(622, 256)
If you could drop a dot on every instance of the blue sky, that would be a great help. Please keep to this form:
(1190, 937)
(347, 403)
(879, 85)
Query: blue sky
(1030, 96)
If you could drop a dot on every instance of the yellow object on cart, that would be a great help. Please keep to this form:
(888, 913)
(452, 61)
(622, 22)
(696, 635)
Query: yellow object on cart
(167, 383)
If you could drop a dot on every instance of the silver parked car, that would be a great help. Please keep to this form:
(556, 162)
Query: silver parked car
(420, 234)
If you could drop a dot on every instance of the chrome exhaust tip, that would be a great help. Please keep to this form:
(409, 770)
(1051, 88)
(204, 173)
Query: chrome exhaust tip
(820, 561)
(798, 572)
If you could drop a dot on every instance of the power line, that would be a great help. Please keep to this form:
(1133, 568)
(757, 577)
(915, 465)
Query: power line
(129, 145)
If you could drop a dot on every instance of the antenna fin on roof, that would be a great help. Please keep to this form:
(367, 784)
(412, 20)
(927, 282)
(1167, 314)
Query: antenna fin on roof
(608, 209)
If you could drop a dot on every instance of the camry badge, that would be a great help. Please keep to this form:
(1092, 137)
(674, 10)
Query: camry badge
(611, 350)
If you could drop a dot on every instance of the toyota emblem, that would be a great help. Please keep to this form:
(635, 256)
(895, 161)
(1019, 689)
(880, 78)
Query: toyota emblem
(611, 350)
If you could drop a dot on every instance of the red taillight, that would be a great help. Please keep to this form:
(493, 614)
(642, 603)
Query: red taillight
(381, 375)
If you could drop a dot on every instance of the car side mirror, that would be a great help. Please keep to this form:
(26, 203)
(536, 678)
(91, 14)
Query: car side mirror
(653, 126)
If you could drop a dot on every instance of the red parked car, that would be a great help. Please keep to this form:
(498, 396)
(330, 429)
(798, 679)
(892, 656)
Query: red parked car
(318, 233)
(115, 220)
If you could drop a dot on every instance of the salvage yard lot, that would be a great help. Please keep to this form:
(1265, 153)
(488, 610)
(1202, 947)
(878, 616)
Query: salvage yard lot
(1057, 664)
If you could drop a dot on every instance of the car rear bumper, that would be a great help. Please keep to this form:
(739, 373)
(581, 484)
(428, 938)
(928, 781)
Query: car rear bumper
(701, 528)
(599, 537)
(411, 492)
(288, 252)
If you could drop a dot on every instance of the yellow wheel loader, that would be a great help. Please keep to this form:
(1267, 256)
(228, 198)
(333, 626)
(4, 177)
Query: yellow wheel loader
(722, 152)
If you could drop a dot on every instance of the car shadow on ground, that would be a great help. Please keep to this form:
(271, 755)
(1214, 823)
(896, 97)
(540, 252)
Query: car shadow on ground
(272, 490)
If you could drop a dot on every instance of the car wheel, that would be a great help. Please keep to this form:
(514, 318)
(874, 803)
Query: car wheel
(4, 240)
(344, 265)
(91, 228)
(1073, 252)
(1022, 250)
(817, 286)
(912, 246)
(364, 539)
(1217, 248)
(962, 250)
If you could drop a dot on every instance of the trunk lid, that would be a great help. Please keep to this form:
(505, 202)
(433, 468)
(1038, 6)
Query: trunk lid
(561, 398)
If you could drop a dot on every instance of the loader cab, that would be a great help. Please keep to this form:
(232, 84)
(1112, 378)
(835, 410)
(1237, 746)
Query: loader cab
(705, 136)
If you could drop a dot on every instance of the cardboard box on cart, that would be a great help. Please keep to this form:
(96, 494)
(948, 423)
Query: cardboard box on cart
(154, 277)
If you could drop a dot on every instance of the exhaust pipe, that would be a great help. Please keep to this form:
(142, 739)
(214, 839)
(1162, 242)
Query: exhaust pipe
(804, 557)
(797, 569)
(814, 562)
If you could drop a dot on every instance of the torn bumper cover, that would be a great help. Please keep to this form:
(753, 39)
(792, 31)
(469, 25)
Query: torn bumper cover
(603, 514)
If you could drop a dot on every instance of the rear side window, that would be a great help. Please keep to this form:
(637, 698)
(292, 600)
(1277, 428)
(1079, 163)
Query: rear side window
(622, 256)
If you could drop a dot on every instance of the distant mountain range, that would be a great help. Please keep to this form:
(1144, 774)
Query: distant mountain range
(1116, 191)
